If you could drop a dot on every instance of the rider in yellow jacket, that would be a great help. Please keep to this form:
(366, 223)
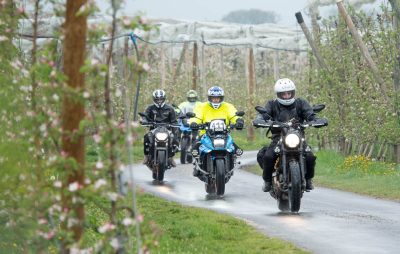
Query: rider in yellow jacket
(214, 108)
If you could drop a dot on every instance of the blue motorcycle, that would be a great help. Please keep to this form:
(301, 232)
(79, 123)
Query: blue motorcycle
(186, 138)
(216, 158)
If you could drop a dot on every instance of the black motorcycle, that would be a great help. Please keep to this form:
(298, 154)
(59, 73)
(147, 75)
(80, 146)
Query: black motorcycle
(160, 137)
(288, 178)
(216, 158)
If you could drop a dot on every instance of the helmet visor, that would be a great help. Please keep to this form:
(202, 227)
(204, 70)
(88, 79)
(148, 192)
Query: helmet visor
(215, 99)
(159, 101)
(286, 95)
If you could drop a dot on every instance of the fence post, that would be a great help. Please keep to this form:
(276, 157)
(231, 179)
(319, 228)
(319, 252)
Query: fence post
(250, 86)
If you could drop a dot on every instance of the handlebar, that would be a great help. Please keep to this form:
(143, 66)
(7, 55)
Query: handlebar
(154, 124)
(277, 124)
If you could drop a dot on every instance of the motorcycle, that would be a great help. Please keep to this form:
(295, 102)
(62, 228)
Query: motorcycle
(186, 137)
(288, 177)
(160, 138)
(216, 158)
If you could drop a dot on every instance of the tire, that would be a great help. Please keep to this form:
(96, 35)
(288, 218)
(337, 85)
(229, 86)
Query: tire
(220, 176)
(294, 186)
(161, 165)
(184, 144)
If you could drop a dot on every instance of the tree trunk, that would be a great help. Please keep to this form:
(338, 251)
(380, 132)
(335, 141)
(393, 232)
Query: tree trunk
(73, 111)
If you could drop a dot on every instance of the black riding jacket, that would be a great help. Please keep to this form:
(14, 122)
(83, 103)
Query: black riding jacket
(300, 110)
(165, 114)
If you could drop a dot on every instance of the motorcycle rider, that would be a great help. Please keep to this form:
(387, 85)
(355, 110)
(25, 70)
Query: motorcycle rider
(214, 108)
(188, 106)
(282, 109)
(191, 103)
(160, 112)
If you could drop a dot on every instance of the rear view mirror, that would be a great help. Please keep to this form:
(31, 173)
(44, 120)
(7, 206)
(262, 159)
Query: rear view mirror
(239, 113)
(261, 110)
(318, 108)
(190, 114)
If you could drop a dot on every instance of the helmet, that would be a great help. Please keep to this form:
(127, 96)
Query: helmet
(282, 87)
(159, 98)
(191, 96)
(215, 92)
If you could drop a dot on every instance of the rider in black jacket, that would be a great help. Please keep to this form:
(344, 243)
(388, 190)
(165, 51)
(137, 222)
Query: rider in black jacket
(160, 112)
(282, 109)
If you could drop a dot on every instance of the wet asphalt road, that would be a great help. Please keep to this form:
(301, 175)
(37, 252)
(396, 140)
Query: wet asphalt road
(329, 221)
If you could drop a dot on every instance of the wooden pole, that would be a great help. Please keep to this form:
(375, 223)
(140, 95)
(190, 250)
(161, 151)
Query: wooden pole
(194, 67)
(162, 65)
(73, 111)
(363, 48)
(221, 57)
(396, 70)
(251, 81)
(179, 64)
(276, 65)
(310, 40)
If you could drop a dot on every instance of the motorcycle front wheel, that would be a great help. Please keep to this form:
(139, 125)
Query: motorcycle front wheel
(294, 186)
(161, 165)
(184, 144)
(220, 176)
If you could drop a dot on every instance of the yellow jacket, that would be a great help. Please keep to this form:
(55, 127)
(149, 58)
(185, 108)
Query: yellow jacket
(205, 112)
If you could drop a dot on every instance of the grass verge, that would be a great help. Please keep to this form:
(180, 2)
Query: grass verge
(355, 174)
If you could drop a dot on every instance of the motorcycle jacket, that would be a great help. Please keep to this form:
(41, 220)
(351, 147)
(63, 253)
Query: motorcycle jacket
(164, 114)
(188, 106)
(300, 110)
(206, 113)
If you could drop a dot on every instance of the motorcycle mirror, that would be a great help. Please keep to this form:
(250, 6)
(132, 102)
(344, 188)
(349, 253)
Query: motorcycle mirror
(261, 110)
(318, 108)
(239, 113)
(173, 105)
(141, 114)
(190, 114)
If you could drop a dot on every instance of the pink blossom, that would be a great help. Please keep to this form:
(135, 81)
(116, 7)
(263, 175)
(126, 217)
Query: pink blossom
(42, 221)
(72, 187)
(99, 183)
(106, 227)
(99, 165)
(97, 138)
(126, 21)
(57, 184)
(146, 67)
(127, 221)
(115, 243)
(139, 218)
(50, 235)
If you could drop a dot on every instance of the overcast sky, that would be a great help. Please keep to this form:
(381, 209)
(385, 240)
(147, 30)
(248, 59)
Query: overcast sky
(213, 10)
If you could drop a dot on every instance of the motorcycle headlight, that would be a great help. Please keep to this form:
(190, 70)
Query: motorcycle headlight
(292, 140)
(219, 143)
(162, 136)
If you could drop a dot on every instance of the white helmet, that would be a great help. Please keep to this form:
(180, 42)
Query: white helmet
(281, 87)
(159, 98)
(213, 92)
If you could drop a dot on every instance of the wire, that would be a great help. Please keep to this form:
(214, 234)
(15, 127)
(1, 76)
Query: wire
(134, 37)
